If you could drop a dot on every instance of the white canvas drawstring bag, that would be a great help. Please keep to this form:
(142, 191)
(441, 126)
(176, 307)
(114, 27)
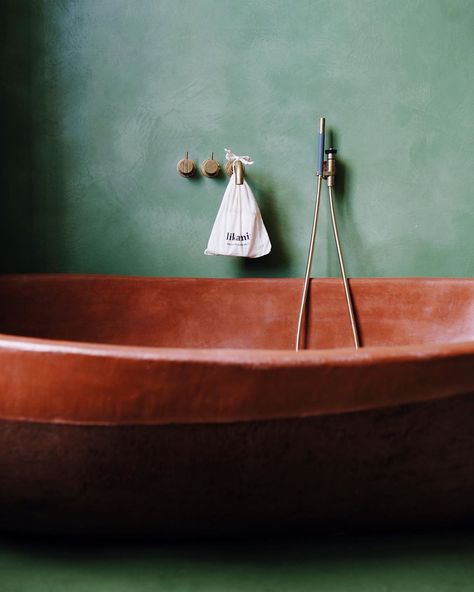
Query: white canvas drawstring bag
(238, 230)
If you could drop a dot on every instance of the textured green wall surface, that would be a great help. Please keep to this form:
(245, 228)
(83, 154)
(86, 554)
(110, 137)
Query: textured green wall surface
(101, 98)
(403, 564)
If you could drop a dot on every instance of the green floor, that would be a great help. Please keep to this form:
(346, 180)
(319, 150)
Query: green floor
(441, 562)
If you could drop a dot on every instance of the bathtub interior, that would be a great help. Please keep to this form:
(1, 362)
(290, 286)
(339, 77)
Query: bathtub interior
(237, 313)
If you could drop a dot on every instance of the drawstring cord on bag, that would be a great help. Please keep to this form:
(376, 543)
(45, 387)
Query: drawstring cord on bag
(234, 158)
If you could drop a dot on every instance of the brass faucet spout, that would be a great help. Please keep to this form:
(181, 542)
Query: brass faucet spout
(239, 172)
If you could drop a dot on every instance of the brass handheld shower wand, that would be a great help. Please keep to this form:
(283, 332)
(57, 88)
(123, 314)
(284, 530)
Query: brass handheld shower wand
(325, 170)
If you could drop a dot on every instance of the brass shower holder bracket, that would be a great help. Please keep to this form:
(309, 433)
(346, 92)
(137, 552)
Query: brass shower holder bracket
(329, 166)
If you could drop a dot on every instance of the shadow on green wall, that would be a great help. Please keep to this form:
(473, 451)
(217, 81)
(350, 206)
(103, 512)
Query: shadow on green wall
(353, 244)
(32, 177)
(278, 260)
(16, 203)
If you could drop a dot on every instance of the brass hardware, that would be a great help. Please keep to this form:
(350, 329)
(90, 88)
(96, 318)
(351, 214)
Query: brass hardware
(239, 172)
(210, 167)
(326, 171)
(235, 164)
(309, 263)
(186, 167)
(229, 168)
(347, 291)
(236, 167)
(329, 166)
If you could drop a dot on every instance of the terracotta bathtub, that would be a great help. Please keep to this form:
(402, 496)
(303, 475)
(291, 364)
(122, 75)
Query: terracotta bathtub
(176, 406)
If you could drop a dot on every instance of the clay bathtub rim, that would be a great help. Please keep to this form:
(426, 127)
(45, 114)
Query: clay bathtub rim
(430, 369)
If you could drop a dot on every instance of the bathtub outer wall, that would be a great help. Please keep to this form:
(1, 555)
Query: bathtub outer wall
(121, 439)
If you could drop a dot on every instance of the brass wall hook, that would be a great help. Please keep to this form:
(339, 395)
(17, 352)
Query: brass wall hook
(235, 164)
(186, 167)
(237, 167)
(210, 167)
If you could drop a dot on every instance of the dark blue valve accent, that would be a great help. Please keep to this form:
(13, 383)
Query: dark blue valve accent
(319, 169)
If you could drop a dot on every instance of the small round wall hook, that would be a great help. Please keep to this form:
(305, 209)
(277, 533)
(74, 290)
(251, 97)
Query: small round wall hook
(210, 167)
(186, 167)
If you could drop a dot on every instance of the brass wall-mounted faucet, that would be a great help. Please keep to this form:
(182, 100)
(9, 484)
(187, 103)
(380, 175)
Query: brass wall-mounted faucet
(236, 164)
(236, 167)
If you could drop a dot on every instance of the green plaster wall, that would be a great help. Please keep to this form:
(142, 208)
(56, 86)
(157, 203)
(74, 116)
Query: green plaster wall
(101, 98)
